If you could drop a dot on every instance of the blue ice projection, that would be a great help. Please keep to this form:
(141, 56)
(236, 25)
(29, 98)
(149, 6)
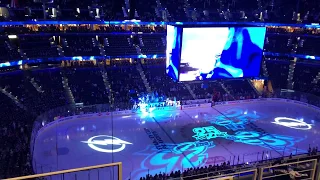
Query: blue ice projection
(193, 154)
(207, 133)
(298, 124)
(269, 141)
(175, 157)
(233, 119)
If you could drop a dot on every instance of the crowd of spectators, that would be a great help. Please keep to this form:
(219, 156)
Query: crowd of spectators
(53, 47)
(82, 28)
(33, 92)
(39, 90)
(125, 81)
(116, 41)
(273, 32)
(37, 47)
(80, 46)
(15, 130)
(228, 168)
(18, 116)
(194, 173)
(160, 82)
(87, 86)
(171, 10)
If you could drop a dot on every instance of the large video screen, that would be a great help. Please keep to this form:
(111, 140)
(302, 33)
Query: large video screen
(173, 51)
(221, 52)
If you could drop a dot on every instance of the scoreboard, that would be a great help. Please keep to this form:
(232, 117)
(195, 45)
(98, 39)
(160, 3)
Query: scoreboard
(209, 53)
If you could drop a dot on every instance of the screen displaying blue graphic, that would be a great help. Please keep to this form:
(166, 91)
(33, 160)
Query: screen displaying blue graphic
(221, 52)
(173, 51)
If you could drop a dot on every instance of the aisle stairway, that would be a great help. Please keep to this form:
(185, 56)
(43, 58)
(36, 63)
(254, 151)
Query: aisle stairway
(36, 85)
(13, 98)
(225, 89)
(316, 79)
(106, 82)
(143, 77)
(69, 94)
(190, 91)
(107, 85)
(291, 72)
(264, 69)
(255, 89)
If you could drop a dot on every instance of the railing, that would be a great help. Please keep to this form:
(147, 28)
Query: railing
(262, 170)
(306, 169)
(298, 96)
(79, 173)
(222, 174)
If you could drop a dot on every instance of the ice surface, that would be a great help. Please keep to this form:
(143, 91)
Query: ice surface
(165, 141)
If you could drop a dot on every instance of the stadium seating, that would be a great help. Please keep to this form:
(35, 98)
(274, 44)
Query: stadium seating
(119, 45)
(308, 46)
(16, 126)
(87, 85)
(161, 83)
(278, 73)
(39, 88)
(8, 52)
(80, 46)
(153, 44)
(155, 10)
(38, 46)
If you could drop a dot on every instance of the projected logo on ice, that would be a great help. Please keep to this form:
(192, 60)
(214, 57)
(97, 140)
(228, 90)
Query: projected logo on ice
(269, 141)
(292, 123)
(233, 119)
(175, 157)
(104, 143)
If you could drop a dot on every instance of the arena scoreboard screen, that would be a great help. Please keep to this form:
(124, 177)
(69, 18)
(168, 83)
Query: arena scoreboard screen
(209, 53)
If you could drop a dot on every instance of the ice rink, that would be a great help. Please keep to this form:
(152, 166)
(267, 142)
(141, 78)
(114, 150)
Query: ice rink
(169, 140)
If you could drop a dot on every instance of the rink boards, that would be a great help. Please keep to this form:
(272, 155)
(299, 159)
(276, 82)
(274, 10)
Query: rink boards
(176, 138)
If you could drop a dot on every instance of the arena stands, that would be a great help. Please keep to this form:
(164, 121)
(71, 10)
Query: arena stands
(30, 90)
(307, 46)
(152, 44)
(37, 46)
(80, 46)
(278, 43)
(118, 45)
(40, 89)
(167, 10)
(217, 170)
(87, 85)
(16, 126)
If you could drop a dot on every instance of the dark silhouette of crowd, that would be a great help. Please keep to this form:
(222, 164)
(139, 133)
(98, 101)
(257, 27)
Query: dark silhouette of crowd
(194, 173)
(28, 91)
(218, 170)
(166, 10)
(313, 150)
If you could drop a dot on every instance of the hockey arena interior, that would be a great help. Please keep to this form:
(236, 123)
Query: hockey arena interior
(159, 89)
